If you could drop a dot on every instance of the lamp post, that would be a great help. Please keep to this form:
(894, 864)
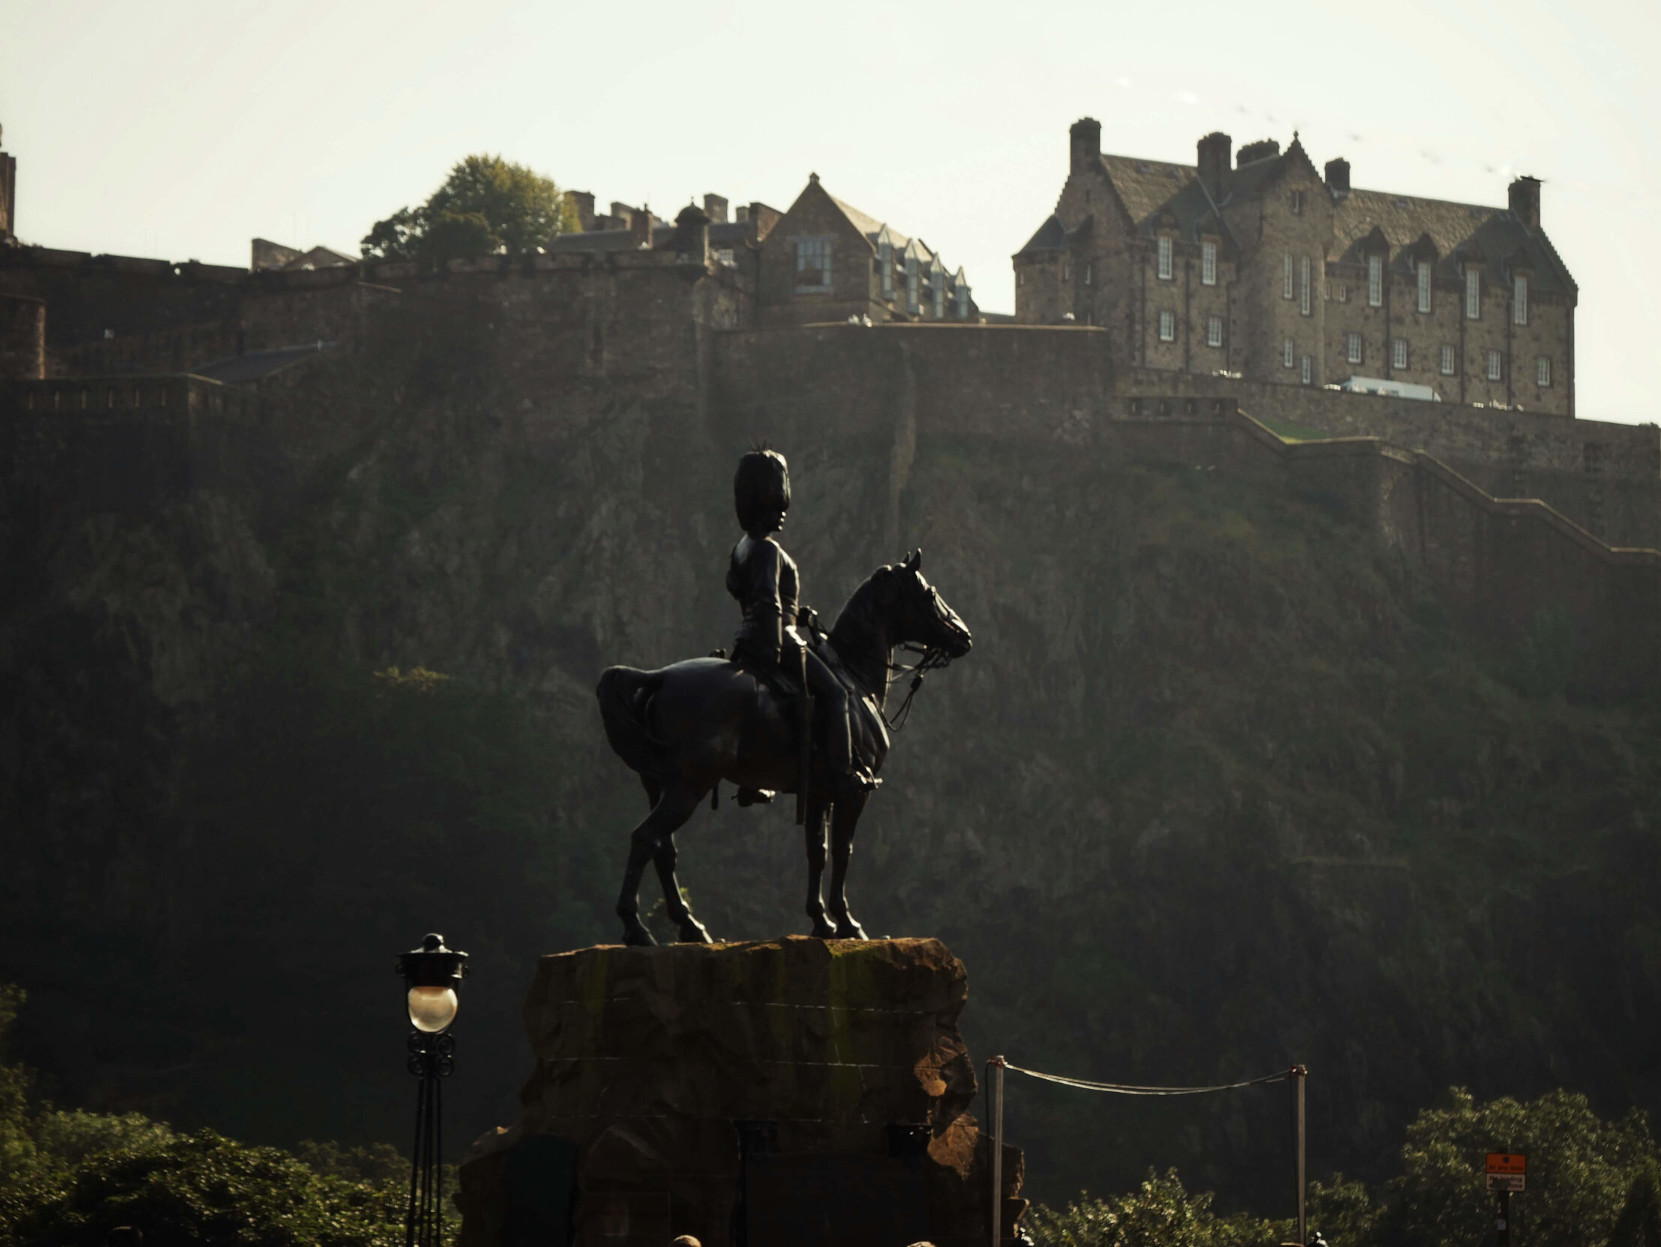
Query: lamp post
(431, 975)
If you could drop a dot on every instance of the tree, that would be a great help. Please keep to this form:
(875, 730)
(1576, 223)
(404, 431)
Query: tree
(1639, 1224)
(1579, 1169)
(486, 204)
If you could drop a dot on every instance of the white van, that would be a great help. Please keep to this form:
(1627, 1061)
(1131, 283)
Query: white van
(1391, 389)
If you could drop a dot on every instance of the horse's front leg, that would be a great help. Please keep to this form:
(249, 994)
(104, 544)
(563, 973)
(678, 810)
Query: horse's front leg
(675, 805)
(814, 835)
(844, 818)
(664, 857)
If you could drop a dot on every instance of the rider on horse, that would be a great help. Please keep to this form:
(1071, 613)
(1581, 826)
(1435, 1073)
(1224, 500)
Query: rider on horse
(767, 585)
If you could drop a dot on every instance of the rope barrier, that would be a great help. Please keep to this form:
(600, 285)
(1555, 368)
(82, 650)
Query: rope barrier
(1119, 1088)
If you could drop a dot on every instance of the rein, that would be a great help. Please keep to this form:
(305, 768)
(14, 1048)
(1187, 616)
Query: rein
(930, 659)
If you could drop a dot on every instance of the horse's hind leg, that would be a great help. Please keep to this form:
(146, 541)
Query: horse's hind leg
(663, 857)
(814, 835)
(843, 821)
(675, 805)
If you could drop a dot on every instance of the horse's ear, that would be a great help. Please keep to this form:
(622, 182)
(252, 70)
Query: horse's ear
(914, 560)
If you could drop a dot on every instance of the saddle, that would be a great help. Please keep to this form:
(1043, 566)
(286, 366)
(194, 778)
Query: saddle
(865, 721)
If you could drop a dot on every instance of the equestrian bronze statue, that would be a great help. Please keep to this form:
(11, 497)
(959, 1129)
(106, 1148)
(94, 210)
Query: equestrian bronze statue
(795, 709)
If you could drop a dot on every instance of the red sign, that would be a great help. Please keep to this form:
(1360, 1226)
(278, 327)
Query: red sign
(1507, 1162)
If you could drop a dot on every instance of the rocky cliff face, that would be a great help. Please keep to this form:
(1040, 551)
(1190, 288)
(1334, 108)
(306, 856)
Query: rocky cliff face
(1218, 789)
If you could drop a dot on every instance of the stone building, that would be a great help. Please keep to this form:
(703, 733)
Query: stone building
(8, 197)
(1267, 267)
(826, 260)
(734, 243)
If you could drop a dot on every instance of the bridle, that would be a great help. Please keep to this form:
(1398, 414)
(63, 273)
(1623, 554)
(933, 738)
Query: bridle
(929, 658)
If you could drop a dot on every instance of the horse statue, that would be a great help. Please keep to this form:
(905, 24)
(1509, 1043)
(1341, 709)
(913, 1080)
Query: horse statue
(686, 727)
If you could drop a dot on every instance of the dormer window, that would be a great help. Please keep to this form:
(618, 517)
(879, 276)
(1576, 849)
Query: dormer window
(1165, 267)
(911, 304)
(885, 259)
(1473, 294)
(961, 294)
(937, 284)
(1519, 299)
(1208, 264)
(1424, 286)
(1375, 281)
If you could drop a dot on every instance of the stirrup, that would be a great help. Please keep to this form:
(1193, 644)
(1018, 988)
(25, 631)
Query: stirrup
(853, 782)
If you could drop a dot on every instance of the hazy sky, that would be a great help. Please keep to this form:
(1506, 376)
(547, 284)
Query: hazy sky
(183, 128)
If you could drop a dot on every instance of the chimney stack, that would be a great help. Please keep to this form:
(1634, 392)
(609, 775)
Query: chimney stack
(1214, 151)
(1525, 201)
(640, 227)
(1338, 176)
(715, 208)
(582, 203)
(1085, 143)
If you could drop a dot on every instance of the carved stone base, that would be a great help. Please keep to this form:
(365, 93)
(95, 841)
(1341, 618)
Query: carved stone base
(796, 1093)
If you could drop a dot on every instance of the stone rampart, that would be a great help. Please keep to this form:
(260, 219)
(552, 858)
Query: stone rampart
(1605, 476)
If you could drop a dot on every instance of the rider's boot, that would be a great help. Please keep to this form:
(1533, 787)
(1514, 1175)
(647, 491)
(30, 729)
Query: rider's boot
(850, 778)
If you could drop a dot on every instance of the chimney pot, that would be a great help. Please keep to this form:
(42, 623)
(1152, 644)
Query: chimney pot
(1338, 176)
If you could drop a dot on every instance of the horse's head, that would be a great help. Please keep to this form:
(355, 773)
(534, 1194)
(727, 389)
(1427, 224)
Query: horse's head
(921, 616)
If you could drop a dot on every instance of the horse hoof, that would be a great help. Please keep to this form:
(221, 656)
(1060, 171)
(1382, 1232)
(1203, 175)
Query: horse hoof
(694, 932)
(637, 936)
(848, 929)
(822, 930)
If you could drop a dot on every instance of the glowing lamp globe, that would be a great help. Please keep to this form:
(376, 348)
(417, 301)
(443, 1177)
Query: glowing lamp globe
(431, 975)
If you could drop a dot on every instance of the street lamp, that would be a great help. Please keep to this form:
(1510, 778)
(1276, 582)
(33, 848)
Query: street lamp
(431, 975)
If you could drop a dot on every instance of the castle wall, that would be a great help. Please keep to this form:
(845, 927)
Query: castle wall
(89, 296)
(22, 338)
(1604, 476)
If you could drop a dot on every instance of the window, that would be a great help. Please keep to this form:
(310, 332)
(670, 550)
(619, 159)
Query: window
(1286, 278)
(1352, 348)
(911, 304)
(961, 294)
(1087, 274)
(1304, 373)
(1286, 353)
(1473, 294)
(1214, 331)
(1066, 271)
(1326, 292)
(1164, 259)
(1494, 365)
(1398, 353)
(885, 257)
(1167, 326)
(1424, 286)
(1542, 371)
(813, 264)
(1447, 361)
(1303, 285)
(937, 286)
(1297, 203)
(1519, 299)
(1375, 281)
(1343, 292)
(1208, 264)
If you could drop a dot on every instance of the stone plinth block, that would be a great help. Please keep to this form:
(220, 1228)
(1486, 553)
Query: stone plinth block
(802, 1092)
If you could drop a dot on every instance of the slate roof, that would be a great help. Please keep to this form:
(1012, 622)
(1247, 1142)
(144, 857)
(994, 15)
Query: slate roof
(1496, 234)
(1051, 236)
(873, 230)
(727, 235)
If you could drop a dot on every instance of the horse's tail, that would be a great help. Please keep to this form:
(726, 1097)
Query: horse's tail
(625, 695)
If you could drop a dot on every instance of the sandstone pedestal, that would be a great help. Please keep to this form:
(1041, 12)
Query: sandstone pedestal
(797, 1093)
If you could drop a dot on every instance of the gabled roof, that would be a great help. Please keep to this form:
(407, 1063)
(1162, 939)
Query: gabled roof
(1051, 236)
(1457, 231)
